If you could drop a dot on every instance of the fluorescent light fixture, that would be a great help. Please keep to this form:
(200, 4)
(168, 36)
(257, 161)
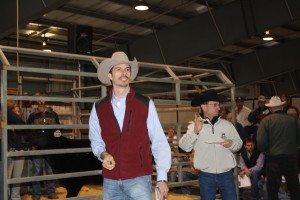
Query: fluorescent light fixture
(268, 36)
(141, 5)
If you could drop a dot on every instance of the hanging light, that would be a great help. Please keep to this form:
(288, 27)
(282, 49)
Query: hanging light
(45, 47)
(141, 5)
(44, 42)
(268, 36)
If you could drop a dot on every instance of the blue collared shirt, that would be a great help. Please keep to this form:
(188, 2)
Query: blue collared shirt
(159, 144)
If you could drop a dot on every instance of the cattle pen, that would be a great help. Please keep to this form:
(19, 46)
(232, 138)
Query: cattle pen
(71, 82)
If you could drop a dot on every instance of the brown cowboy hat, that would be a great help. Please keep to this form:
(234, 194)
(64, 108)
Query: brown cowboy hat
(117, 58)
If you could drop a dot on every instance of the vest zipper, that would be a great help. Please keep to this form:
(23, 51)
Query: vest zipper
(119, 148)
(119, 169)
(128, 124)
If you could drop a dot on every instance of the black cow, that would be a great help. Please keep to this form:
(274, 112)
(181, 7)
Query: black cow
(73, 162)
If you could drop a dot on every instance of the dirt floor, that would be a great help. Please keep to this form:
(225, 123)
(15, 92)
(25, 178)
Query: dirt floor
(93, 189)
(174, 194)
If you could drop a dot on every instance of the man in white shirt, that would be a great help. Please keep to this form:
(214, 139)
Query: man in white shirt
(242, 112)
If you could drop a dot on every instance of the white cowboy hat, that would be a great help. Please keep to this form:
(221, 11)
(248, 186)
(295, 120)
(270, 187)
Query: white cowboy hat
(117, 58)
(275, 101)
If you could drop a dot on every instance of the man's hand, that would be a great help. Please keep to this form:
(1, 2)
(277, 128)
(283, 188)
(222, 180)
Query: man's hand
(108, 161)
(162, 190)
(242, 173)
(198, 124)
(247, 172)
(227, 143)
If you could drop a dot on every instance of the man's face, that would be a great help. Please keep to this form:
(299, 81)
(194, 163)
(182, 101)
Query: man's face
(293, 112)
(229, 117)
(249, 146)
(17, 110)
(239, 103)
(186, 157)
(211, 109)
(222, 112)
(171, 132)
(41, 102)
(284, 98)
(120, 75)
(261, 104)
(10, 103)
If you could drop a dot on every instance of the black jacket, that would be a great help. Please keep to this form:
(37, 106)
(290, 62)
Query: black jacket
(279, 135)
(14, 137)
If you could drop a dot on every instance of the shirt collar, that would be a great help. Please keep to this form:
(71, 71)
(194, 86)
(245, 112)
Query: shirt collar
(114, 97)
(119, 102)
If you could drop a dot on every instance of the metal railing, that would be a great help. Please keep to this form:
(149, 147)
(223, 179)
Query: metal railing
(78, 97)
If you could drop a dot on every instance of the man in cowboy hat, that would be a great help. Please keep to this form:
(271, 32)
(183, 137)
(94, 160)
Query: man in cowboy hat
(123, 129)
(214, 141)
(260, 111)
(278, 136)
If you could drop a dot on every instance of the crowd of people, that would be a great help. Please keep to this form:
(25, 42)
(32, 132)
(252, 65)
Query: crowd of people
(128, 139)
(270, 134)
(23, 140)
(267, 140)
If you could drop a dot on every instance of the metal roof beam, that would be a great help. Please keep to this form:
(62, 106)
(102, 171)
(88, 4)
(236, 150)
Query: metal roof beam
(267, 63)
(109, 17)
(29, 10)
(235, 21)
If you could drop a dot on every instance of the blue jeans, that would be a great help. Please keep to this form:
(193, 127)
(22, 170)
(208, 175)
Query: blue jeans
(173, 176)
(37, 170)
(209, 183)
(139, 188)
(188, 176)
(255, 177)
(15, 169)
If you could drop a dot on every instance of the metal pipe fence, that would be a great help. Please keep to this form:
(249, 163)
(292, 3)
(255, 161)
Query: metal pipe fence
(75, 78)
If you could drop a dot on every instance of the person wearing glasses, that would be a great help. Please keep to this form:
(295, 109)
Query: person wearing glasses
(214, 141)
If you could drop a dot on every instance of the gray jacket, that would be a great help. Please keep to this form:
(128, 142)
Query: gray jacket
(278, 134)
